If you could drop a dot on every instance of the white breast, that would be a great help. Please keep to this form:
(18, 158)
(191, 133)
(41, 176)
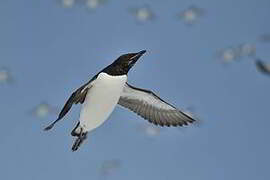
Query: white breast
(101, 100)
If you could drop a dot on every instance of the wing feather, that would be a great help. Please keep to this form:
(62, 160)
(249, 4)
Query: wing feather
(148, 105)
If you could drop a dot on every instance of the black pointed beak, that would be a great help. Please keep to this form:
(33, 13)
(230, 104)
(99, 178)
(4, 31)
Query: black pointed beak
(138, 55)
(141, 52)
(135, 58)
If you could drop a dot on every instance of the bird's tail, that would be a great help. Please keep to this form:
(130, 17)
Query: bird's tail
(81, 136)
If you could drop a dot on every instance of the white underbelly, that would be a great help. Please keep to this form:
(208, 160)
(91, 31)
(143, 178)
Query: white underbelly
(101, 100)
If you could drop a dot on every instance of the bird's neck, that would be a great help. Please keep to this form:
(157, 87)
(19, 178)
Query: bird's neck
(115, 70)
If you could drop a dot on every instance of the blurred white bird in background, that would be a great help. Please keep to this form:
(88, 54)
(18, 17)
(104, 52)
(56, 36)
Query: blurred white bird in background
(228, 55)
(149, 130)
(93, 4)
(90, 4)
(43, 110)
(191, 15)
(5, 76)
(247, 50)
(238, 52)
(143, 13)
(67, 3)
(108, 167)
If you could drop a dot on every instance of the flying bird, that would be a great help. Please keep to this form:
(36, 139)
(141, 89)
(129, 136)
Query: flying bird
(143, 14)
(42, 110)
(5, 76)
(109, 87)
(93, 4)
(191, 15)
(110, 166)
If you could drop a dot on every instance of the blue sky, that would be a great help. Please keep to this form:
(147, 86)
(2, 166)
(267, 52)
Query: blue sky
(51, 50)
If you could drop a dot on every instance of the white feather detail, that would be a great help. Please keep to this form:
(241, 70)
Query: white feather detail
(101, 100)
(145, 97)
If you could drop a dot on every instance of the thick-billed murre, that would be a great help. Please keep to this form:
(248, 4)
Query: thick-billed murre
(109, 87)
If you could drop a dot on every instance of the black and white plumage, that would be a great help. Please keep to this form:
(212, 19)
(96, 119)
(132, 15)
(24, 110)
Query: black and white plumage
(108, 88)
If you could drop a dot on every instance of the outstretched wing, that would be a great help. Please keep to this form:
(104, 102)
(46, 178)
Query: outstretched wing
(77, 97)
(152, 108)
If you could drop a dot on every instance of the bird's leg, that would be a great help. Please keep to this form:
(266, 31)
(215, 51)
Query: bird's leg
(74, 131)
(81, 137)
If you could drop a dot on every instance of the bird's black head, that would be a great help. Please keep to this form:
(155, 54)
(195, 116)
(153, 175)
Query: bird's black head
(124, 63)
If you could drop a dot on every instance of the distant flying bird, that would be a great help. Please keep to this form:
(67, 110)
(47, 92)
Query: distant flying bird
(5, 76)
(149, 130)
(228, 55)
(247, 49)
(43, 109)
(67, 3)
(93, 4)
(143, 14)
(191, 15)
(108, 88)
(235, 53)
(109, 166)
(262, 66)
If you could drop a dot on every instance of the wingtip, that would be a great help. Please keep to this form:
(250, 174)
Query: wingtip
(48, 127)
(51, 125)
